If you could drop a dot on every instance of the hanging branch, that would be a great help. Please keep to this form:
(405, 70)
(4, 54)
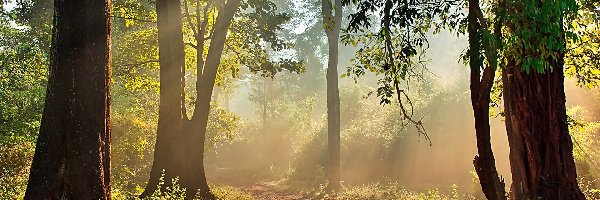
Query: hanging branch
(406, 115)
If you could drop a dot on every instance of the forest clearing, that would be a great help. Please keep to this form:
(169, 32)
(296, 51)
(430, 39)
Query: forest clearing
(300, 99)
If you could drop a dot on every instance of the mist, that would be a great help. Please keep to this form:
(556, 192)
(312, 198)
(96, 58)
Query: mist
(368, 156)
(389, 153)
(276, 99)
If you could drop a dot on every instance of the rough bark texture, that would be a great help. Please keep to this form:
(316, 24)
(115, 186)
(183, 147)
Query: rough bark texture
(541, 150)
(481, 87)
(168, 154)
(72, 158)
(332, 24)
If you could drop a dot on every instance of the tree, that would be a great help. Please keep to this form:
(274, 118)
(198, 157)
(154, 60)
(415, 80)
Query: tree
(541, 150)
(481, 40)
(72, 158)
(332, 20)
(204, 88)
(533, 47)
(168, 151)
(24, 72)
(180, 147)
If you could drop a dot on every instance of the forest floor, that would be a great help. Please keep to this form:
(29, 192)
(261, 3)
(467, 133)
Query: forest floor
(271, 190)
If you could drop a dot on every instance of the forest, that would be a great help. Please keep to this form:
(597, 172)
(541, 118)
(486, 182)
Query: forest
(300, 99)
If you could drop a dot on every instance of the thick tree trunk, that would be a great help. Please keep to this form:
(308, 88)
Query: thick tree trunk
(179, 149)
(481, 86)
(541, 150)
(168, 151)
(332, 29)
(72, 158)
(197, 129)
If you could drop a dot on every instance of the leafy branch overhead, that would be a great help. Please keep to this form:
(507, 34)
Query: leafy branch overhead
(395, 46)
(253, 40)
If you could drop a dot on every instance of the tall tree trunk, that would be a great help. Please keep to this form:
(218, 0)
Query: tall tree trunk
(72, 158)
(332, 26)
(481, 87)
(541, 150)
(168, 151)
(197, 130)
(179, 149)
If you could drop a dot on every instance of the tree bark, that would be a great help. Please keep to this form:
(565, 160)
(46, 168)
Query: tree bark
(332, 24)
(541, 150)
(197, 129)
(72, 158)
(168, 151)
(481, 87)
(179, 149)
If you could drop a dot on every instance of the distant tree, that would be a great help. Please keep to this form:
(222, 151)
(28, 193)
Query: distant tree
(24, 71)
(72, 158)
(332, 20)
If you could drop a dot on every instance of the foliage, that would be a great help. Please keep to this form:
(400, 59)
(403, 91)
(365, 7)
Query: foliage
(586, 155)
(536, 34)
(386, 123)
(393, 49)
(15, 159)
(133, 135)
(36, 15)
(223, 127)
(308, 166)
(393, 190)
(134, 125)
(173, 192)
(371, 136)
(293, 142)
(22, 79)
(227, 192)
(176, 192)
(23, 75)
(583, 52)
(252, 36)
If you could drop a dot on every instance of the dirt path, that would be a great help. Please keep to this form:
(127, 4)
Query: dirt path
(270, 190)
